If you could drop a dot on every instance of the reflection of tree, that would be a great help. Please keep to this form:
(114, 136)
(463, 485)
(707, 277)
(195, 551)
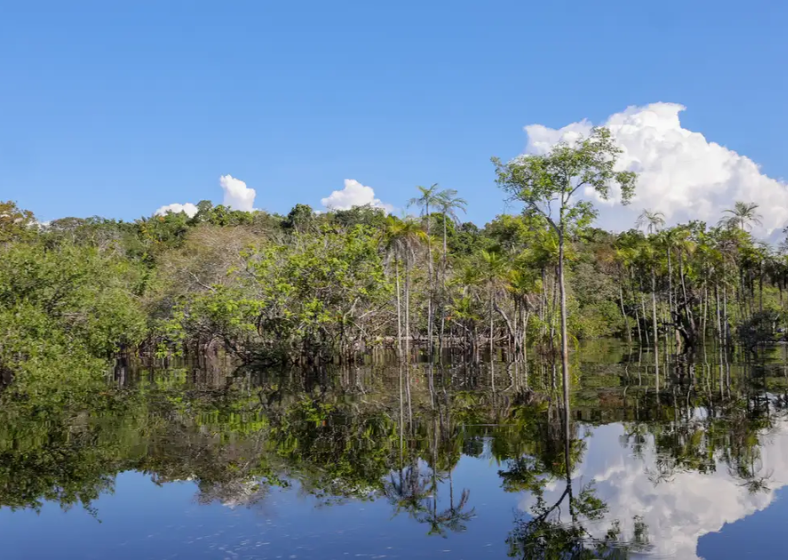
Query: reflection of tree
(407, 491)
(547, 534)
(65, 454)
(412, 491)
(361, 435)
(454, 517)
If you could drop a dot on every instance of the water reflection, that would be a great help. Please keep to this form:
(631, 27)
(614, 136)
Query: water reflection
(490, 458)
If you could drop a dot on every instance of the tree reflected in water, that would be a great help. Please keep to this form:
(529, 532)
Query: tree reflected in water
(397, 435)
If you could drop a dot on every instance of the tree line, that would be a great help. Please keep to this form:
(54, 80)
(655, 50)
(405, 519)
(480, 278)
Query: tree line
(311, 287)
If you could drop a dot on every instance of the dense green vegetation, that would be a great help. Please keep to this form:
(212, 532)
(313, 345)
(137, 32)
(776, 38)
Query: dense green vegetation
(315, 287)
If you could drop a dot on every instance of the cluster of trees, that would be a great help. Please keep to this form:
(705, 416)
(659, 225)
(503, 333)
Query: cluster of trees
(313, 286)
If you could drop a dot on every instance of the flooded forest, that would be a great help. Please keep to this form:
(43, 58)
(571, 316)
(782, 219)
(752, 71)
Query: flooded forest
(233, 384)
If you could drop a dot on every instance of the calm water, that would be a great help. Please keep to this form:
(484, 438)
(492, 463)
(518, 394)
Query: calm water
(685, 460)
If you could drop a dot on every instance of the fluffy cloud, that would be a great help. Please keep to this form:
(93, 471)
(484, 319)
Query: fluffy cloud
(679, 512)
(354, 194)
(236, 194)
(681, 173)
(189, 208)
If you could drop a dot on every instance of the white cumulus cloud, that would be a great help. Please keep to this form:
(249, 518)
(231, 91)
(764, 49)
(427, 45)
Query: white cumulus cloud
(236, 194)
(354, 194)
(681, 173)
(189, 209)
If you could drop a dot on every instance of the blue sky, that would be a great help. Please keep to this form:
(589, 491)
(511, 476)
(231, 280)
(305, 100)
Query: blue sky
(118, 108)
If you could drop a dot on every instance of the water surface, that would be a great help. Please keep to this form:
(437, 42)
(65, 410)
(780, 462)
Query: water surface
(685, 460)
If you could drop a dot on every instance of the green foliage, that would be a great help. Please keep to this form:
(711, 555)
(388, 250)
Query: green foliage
(307, 294)
(547, 183)
(64, 313)
(325, 285)
(15, 224)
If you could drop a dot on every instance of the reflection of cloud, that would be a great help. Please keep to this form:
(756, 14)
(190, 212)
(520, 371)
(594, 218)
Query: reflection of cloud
(677, 512)
(235, 493)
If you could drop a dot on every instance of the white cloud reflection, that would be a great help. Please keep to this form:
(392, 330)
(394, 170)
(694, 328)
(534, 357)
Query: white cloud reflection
(676, 512)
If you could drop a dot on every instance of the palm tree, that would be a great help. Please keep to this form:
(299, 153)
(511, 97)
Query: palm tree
(402, 238)
(742, 216)
(521, 282)
(650, 221)
(390, 237)
(430, 197)
(449, 204)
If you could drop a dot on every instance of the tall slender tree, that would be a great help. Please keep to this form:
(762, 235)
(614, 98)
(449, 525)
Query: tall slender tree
(652, 222)
(430, 198)
(403, 238)
(449, 204)
(549, 184)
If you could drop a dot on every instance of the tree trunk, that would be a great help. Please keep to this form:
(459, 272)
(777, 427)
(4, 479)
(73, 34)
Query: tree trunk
(705, 312)
(525, 341)
(635, 307)
(554, 305)
(760, 287)
(564, 339)
(623, 311)
(543, 308)
(492, 306)
(725, 313)
(671, 310)
(654, 321)
(515, 319)
(399, 310)
(505, 317)
(430, 286)
(407, 308)
(718, 311)
(443, 286)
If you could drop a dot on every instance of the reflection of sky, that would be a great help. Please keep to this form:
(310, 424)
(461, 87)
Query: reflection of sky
(143, 520)
(680, 511)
